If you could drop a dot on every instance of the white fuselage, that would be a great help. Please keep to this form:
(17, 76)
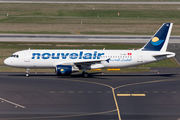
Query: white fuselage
(106, 58)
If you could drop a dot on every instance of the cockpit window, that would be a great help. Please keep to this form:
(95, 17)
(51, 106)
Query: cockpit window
(15, 56)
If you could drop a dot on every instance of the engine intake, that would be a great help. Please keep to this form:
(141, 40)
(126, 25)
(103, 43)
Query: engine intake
(63, 69)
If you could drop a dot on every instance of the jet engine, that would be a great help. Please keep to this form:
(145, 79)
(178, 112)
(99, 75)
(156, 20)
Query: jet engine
(65, 69)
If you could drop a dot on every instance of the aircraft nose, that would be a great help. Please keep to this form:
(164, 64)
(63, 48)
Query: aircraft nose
(7, 61)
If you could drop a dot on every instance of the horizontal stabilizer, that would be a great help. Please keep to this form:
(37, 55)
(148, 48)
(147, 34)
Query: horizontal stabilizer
(164, 54)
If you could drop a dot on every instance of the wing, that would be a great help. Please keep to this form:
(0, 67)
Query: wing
(91, 64)
(84, 63)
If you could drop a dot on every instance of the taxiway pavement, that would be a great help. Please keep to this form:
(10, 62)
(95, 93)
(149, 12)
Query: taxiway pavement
(47, 96)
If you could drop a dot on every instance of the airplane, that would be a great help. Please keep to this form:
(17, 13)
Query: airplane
(66, 62)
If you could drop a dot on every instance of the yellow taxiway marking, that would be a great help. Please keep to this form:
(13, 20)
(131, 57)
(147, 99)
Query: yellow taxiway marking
(131, 94)
(123, 94)
(138, 94)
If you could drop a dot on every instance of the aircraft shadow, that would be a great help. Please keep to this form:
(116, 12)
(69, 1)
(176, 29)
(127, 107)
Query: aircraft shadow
(91, 75)
(99, 74)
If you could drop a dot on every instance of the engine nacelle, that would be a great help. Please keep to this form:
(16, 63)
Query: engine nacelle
(63, 69)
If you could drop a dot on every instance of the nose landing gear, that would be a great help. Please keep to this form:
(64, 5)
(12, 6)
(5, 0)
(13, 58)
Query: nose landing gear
(27, 72)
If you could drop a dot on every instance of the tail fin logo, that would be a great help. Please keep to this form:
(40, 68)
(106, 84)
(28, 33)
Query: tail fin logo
(155, 41)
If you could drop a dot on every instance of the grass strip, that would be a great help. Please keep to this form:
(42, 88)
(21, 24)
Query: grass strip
(70, 18)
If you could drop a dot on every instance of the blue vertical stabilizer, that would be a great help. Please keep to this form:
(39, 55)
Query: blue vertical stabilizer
(160, 40)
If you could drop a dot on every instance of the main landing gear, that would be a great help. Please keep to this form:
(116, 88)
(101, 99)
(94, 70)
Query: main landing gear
(85, 74)
(27, 72)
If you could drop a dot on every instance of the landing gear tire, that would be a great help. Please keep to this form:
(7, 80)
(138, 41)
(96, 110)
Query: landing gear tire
(27, 75)
(85, 74)
(27, 72)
